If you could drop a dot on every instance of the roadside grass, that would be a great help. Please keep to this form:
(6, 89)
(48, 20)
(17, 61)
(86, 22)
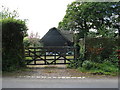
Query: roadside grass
(101, 69)
(98, 72)
(104, 68)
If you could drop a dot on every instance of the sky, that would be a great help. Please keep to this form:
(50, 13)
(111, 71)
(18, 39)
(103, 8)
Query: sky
(41, 14)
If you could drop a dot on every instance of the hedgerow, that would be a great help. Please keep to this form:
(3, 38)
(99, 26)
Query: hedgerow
(13, 32)
(98, 56)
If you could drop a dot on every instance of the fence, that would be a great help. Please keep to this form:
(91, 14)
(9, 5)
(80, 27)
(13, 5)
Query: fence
(49, 55)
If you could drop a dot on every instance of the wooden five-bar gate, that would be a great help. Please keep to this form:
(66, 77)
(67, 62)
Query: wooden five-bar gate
(50, 55)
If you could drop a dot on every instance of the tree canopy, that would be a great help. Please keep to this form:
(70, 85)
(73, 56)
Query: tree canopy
(5, 13)
(99, 16)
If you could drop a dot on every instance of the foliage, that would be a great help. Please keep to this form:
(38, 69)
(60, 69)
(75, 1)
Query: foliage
(88, 65)
(26, 42)
(95, 19)
(13, 32)
(77, 63)
(103, 32)
(83, 16)
(105, 68)
(32, 40)
(73, 64)
(100, 49)
(100, 56)
(5, 13)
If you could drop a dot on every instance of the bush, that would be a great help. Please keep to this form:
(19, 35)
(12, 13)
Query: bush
(13, 32)
(33, 40)
(100, 49)
(105, 68)
(108, 67)
(98, 56)
(77, 63)
(89, 65)
(26, 42)
(72, 65)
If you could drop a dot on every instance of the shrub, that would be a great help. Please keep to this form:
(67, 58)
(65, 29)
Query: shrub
(88, 65)
(26, 42)
(13, 32)
(33, 40)
(72, 65)
(106, 68)
(77, 63)
(98, 56)
(100, 49)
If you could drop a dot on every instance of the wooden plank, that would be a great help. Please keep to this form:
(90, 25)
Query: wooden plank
(60, 52)
(49, 64)
(47, 59)
(36, 51)
(51, 47)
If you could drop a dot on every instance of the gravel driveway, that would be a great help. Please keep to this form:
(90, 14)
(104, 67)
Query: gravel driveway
(54, 71)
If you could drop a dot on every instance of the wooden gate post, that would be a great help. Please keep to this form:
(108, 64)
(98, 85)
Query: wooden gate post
(55, 58)
(35, 56)
(45, 57)
(75, 57)
(75, 54)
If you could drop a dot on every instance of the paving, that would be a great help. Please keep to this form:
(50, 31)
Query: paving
(58, 83)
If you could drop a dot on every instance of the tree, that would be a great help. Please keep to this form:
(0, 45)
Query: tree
(32, 40)
(5, 13)
(83, 16)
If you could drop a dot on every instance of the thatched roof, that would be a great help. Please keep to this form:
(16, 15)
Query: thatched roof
(55, 37)
(67, 34)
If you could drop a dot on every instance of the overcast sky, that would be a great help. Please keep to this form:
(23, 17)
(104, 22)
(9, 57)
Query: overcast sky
(41, 14)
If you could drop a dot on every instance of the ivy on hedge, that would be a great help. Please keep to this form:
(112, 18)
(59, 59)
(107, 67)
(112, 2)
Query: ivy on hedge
(13, 32)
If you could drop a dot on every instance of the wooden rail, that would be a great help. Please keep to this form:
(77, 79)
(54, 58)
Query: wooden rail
(49, 55)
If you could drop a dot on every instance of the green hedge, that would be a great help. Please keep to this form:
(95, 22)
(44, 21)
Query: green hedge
(98, 56)
(100, 49)
(13, 32)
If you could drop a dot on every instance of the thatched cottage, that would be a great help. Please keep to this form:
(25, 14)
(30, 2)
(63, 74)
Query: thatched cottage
(55, 37)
